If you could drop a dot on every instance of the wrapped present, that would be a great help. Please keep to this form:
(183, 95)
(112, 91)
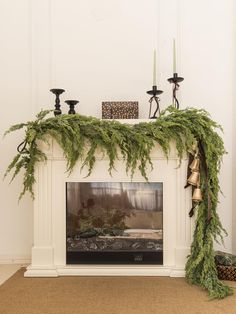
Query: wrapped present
(120, 110)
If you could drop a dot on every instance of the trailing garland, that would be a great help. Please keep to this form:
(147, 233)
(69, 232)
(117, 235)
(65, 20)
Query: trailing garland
(184, 127)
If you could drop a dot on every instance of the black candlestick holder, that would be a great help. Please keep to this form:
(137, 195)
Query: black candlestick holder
(57, 92)
(72, 104)
(154, 92)
(175, 80)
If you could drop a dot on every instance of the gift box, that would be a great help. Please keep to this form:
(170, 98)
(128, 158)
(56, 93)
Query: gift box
(120, 110)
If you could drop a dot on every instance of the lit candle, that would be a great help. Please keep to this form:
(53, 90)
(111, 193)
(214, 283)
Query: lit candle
(154, 69)
(174, 57)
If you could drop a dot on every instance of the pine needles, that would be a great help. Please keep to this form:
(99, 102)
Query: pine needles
(75, 133)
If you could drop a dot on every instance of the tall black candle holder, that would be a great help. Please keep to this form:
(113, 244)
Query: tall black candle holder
(154, 92)
(57, 92)
(72, 104)
(175, 80)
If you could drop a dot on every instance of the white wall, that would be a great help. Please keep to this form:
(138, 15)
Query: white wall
(102, 50)
(15, 98)
(207, 63)
(234, 142)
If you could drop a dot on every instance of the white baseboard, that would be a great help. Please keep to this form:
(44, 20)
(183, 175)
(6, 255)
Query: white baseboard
(15, 259)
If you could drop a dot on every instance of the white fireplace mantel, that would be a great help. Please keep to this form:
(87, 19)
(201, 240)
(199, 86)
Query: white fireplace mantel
(49, 249)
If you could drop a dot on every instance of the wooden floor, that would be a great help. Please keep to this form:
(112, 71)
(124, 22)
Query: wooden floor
(6, 271)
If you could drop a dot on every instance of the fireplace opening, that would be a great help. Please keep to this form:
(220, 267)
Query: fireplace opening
(114, 223)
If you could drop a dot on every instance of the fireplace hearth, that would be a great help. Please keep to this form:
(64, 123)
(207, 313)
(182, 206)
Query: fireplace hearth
(114, 223)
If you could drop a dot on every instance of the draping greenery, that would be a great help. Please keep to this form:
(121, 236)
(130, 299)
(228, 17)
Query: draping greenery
(79, 137)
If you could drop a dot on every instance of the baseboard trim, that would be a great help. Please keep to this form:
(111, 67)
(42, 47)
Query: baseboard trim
(14, 259)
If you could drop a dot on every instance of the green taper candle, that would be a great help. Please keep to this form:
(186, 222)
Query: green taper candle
(154, 69)
(174, 57)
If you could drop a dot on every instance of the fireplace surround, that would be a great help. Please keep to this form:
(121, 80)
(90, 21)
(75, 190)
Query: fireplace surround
(49, 248)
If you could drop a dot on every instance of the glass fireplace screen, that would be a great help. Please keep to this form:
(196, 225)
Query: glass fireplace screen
(114, 222)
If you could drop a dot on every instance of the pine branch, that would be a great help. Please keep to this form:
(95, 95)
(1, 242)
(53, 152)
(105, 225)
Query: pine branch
(79, 137)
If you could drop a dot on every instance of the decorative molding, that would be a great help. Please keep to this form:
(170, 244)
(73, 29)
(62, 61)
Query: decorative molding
(107, 270)
(40, 272)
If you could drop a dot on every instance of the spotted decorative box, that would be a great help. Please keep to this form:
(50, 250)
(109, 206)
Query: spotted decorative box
(120, 110)
(226, 272)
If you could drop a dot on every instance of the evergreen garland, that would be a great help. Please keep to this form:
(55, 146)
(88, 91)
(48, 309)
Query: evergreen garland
(79, 137)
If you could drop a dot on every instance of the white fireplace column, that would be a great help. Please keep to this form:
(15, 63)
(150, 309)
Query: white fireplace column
(49, 249)
(184, 224)
(43, 251)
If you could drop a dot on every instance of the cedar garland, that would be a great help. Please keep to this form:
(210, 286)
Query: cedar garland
(184, 127)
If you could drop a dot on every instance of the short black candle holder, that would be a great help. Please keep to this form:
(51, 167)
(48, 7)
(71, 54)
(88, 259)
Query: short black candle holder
(57, 92)
(154, 92)
(72, 104)
(175, 80)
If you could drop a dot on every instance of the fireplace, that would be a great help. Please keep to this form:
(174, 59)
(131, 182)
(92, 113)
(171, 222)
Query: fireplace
(53, 189)
(114, 223)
